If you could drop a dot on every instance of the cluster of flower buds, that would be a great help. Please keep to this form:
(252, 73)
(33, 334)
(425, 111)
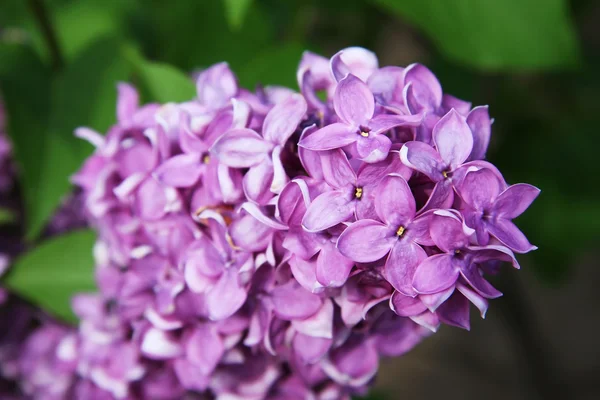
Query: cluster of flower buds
(274, 244)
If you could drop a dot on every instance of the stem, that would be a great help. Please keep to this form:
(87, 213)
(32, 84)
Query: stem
(40, 13)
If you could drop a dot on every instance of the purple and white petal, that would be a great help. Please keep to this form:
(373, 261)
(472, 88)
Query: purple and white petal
(401, 264)
(330, 137)
(366, 241)
(241, 148)
(515, 200)
(327, 210)
(435, 274)
(283, 119)
(353, 101)
(453, 139)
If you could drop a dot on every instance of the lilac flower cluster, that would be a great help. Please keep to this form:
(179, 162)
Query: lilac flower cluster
(273, 244)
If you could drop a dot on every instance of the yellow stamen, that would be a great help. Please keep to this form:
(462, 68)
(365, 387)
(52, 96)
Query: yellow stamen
(445, 174)
(456, 251)
(206, 159)
(364, 134)
(358, 192)
(400, 231)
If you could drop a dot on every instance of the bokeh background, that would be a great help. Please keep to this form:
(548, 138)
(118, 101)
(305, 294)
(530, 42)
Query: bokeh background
(536, 64)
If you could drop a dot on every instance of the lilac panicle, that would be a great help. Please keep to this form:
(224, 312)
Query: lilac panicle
(275, 245)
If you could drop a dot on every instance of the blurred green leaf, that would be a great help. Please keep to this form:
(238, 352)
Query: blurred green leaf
(274, 66)
(51, 273)
(7, 216)
(79, 23)
(194, 34)
(235, 11)
(492, 34)
(25, 86)
(42, 121)
(164, 83)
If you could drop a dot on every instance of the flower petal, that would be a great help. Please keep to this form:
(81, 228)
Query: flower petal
(426, 88)
(449, 102)
(442, 196)
(374, 148)
(481, 127)
(305, 273)
(423, 158)
(453, 139)
(230, 183)
(292, 302)
(455, 311)
(283, 119)
(250, 234)
(385, 83)
(180, 171)
(401, 265)
(433, 301)
(226, 297)
(394, 202)
(479, 188)
(354, 60)
(514, 201)
(320, 324)
(332, 267)
(241, 148)
(160, 345)
(511, 236)
(448, 231)
(330, 137)
(353, 101)
(435, 274)
(310, 349)
(479, 302)
(336, 169)
(473, 276)
(204, 348)
(406, 306)
(366, 241)
(127, 102)
(327, 210)
(279, 176)
(385, 122)
(216, 86)
(257, 182)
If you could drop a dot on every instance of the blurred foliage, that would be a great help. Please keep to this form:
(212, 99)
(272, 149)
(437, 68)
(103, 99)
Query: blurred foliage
(543, 134)
(235, 11)
(66, 262)
(492, 34)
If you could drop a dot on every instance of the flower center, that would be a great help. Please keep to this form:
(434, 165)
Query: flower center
(358, 192)
(206, 159)
(445, 174)
(364, 131)
(400, 231)
(457, 251)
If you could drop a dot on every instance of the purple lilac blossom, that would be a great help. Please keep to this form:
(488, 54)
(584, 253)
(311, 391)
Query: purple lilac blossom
(273, 245)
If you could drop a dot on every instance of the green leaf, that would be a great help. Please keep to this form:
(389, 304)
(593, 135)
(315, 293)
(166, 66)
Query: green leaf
(25, 86)
(201, 29)
(7, 216)
(492, 34)
(79, 23)
(235, 11)
(42, 121)
(51, 273)
(273, 66)
(164, 83)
